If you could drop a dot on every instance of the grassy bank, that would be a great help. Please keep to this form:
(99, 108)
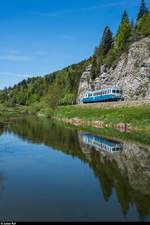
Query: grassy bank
(136, 116)
(8, 112)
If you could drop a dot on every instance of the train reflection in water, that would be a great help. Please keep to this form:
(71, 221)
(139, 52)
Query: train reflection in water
(103, 144)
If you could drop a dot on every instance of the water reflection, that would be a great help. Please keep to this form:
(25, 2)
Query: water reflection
(126, 169)
(102, 144)
(127, 172)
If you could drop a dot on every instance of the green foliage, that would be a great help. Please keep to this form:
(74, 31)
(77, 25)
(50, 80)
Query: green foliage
(106, 42)
(52, 97)
(94, 69)
(109, 51)
(112, 57)
(100, 52)
(143, 10)
(35, 89)
(143, 25)
(137, 116)
(123, 34)
(125, 17)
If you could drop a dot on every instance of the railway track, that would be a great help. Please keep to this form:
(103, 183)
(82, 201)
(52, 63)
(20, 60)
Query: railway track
(125, 103)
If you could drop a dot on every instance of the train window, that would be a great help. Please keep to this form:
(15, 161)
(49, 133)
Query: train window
(113, 91)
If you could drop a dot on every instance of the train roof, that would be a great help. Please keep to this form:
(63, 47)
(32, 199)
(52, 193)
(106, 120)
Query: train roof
(113, 88)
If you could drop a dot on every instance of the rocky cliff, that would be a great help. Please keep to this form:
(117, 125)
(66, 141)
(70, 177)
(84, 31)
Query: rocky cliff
(132, 73)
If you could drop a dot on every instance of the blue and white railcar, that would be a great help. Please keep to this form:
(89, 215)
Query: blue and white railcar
(108, 94)
(102, 144)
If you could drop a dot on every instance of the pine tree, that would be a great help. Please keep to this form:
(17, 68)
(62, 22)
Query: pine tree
(123, 34)
(94, 68)
(132, 23)
(105, 45)
(125, 17)
(100, 52)
(107, 40)
(143, 10)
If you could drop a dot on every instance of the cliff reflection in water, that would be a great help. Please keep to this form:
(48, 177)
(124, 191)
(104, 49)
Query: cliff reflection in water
(127, 172)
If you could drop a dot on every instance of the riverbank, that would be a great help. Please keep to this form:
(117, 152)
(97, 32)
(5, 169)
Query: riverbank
(115, 115)
(9, 112)
(124, 123)
(123, 116)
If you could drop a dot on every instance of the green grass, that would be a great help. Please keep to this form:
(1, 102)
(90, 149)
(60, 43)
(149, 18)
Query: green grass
(137, 116)
(11, 111)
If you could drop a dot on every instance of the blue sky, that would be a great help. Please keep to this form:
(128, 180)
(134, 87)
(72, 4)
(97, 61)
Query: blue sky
(42, 36)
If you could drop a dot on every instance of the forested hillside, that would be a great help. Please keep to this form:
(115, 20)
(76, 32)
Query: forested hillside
(61, 87)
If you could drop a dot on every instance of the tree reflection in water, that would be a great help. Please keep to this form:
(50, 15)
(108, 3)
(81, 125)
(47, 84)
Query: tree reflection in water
(2, 177)
(127, 172)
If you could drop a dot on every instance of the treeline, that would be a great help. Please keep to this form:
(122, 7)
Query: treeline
(56, 88)
(110, 48)
(61, 87)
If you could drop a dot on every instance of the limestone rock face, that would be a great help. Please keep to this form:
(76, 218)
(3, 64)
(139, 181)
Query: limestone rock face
(132, 73)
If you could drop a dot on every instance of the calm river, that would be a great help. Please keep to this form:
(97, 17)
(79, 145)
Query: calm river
(50, 172)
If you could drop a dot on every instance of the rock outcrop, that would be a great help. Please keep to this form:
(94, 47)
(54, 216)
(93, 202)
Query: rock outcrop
(132, 73)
